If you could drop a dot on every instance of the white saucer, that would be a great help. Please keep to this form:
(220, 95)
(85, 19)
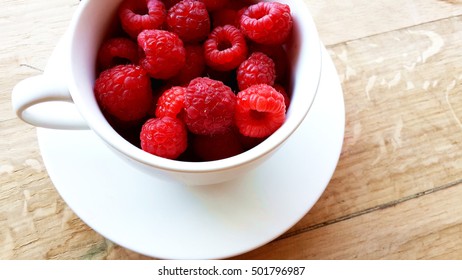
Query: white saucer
(168, 220)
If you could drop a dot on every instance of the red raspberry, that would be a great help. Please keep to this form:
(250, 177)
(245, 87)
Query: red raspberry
(267, 23)
(190, 20)
(257, 69)
(117, 51)
(124, 92)
(279, 55)
(194, 65)
(138, 15)
(163, 54)
(171, 102)
(209, 106)
(260, 111)
(213, 5)
(225, 49)
(165, 137)
(215, 147)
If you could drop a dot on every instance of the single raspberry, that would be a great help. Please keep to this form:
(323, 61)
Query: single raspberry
(282, 90)
(213, 5)
(190, 20)
(117, 51)
(171, 102)
(279, 55)
(225, 49)
(164, 137)
(194, 65)
(124, 92)
(267, 23)
(162, 53)
(209, 106)
(257, 69)
(218, 146)
(138, 15)
(260, 111)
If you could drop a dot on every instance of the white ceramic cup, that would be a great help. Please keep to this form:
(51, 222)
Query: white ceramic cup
(85, 35)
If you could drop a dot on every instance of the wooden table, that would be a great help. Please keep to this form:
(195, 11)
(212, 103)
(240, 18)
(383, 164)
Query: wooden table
(397, 190)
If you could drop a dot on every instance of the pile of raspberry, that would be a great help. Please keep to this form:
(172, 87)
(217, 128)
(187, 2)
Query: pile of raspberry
(195, 80)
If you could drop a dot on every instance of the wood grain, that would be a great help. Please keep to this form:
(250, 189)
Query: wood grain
(396, 191)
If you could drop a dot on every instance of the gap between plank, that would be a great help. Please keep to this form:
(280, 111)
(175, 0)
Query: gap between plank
(370, 210)
(31, 67)
(390, 31)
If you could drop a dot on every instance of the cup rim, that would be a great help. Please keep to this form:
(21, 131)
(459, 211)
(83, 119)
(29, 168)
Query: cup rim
(309, 50)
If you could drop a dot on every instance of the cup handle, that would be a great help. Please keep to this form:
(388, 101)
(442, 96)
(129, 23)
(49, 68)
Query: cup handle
(45, 102)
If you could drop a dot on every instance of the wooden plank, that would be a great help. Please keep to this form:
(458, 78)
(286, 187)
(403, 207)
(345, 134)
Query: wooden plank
(339, 21)
(400, 232)
(403, 118)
